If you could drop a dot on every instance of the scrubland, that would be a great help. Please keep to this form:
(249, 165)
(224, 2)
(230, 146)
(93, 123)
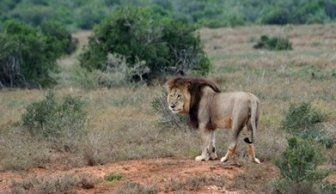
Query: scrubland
(122, 124)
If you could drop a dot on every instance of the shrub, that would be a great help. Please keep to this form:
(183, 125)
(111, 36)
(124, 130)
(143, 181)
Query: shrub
(295, 12)
(301, 120)
(51, 119)
(298, 165)
(328, 188)
(90, 14)
(301, 117)
(300, 160)
(152, 44)
(28, 55)
(319, 136)
(59, 38)
(273, 43)
(112, 178)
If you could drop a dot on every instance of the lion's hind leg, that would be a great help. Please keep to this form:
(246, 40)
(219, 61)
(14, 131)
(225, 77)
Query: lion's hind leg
(251, 153)
(250, 145)
(237, 126)
(231, 151)
(232, 148)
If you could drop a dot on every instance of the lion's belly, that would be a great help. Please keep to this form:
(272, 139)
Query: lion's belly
(224, 123)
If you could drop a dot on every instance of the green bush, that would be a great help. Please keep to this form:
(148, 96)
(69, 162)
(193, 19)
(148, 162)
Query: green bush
(295, 12)
(273, 43)
(112, 178)
(152, 45)
(328, 188)
(300, 160)
(51, 119)
(25, 57)
(90, 14)
(298, 167)
(28, 55)
(317, 135)
(60, 39)
(301, 117)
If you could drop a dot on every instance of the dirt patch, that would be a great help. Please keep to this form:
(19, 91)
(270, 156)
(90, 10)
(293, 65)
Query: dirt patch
(157, 172)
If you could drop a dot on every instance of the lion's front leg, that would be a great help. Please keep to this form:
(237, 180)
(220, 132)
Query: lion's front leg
(207, 147)
(213, 154)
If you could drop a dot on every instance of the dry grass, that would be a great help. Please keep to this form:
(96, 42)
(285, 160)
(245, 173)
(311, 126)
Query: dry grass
(122, 124)
(195, 183)
(18, 151)
(135, 188)
(48, 184)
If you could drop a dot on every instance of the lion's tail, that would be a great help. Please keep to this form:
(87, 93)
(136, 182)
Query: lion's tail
(253, 120)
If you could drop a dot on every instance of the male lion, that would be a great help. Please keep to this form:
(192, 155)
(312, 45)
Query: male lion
(209, 109)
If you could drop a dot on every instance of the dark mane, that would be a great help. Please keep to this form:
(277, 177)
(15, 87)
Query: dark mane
(195, 86)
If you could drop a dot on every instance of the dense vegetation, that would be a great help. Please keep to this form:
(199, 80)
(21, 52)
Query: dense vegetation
(28, 54)
(152, 45)
(85, 13)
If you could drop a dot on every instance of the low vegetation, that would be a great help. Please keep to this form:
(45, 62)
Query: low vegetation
(273, 43)
(195, 183)
(54, 120)
(134, 188)
(112, 178)
(48, 184)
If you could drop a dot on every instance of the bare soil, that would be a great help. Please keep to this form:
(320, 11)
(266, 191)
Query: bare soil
(156, 172)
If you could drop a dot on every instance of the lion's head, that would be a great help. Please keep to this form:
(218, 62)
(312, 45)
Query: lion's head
(184, 94)
(178, 97)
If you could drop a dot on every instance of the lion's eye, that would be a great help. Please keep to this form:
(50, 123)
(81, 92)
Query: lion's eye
(179, 96)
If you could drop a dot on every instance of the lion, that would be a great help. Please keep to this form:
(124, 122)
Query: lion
(210, 109)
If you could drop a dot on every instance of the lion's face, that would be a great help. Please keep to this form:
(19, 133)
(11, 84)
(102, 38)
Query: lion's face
(178, 100)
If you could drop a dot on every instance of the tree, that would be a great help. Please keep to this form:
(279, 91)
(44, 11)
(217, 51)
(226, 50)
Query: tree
(28, 54)
(147, 39)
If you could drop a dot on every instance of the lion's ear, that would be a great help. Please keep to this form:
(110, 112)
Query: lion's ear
(188, 85)
(169, 84)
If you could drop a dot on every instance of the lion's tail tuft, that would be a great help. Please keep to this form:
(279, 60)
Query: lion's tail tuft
(247, 140)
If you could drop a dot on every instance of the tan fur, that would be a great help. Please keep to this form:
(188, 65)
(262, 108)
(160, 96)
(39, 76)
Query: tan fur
(214, 110)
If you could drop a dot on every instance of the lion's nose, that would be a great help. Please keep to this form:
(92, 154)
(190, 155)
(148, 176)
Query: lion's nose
(172, 106)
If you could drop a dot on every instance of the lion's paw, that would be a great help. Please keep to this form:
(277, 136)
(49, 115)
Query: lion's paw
(224, 159)
(256, 160)
(201, 158)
